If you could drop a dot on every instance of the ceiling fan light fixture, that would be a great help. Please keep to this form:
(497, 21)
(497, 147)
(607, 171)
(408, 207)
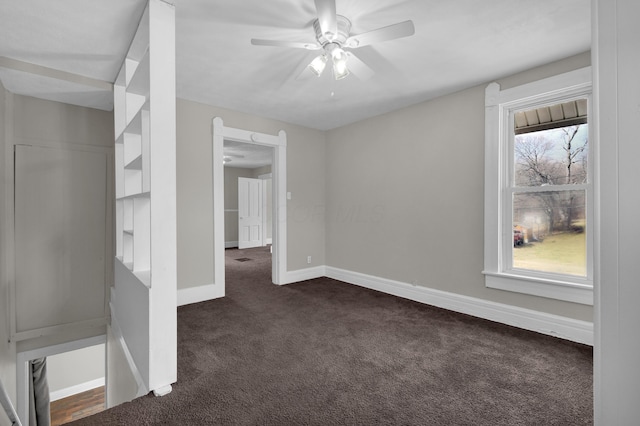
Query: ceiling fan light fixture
(352, 43)
(340, 71)
(339, 58)
(318, 64)
(333, 35)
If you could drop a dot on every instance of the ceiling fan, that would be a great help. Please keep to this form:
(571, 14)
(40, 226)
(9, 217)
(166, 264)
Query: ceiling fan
(228, 156)
(334, 39)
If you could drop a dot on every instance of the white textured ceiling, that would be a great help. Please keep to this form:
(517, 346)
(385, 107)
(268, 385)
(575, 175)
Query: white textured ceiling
(247, 155)
(457, 44)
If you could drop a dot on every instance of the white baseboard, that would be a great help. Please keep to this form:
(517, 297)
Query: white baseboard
(230, 244)
(553, 325)
(201, 293)
(76, 389)
(304, 274)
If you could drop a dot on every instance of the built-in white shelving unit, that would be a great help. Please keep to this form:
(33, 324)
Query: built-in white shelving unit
(143, 299)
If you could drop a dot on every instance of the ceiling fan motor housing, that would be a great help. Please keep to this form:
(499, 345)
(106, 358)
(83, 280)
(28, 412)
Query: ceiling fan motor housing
(344, 27)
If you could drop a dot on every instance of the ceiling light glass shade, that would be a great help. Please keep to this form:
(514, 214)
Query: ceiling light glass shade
(318, 64)
(339, 58)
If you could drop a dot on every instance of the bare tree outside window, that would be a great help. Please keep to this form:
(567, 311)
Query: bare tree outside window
(549, 202)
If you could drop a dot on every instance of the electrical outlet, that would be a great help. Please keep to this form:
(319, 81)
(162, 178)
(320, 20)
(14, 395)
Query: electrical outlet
(309, 260)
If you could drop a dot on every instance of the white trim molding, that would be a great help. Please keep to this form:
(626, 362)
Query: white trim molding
(202, 293)
(279, 172)
(305, 274)
(76, 389)
(544, 323)
(498, 238)
(22, 367)
(577, 293)
(230, 244)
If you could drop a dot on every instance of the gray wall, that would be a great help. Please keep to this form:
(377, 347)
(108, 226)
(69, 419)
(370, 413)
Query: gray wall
(74, 368)
(42, 121)
(260, 171)
(405, 196)
(45, 123)
(28, 120)
(305, 180)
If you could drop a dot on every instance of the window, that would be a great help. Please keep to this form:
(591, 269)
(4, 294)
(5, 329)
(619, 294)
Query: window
(539, 188)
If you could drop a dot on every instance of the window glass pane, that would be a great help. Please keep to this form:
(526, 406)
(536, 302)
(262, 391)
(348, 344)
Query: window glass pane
(556, 156)
(549, 232)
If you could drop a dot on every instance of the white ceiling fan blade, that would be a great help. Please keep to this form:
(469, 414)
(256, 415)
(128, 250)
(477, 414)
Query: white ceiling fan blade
(327, 17)
(391, 32)
(359, 68)
(281, 43)
(304, 74)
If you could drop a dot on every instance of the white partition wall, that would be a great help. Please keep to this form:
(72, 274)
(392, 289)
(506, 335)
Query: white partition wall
(617, 340)
(143, 299)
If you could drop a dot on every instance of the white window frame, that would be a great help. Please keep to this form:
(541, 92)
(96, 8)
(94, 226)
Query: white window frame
(500, 106)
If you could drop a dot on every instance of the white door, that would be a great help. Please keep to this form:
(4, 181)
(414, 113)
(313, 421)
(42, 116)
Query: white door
(249, 213)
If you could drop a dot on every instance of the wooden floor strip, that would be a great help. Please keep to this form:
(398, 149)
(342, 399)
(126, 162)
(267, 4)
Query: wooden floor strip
(75, 407)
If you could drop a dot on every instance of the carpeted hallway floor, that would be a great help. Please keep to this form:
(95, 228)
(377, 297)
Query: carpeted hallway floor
(324, 352)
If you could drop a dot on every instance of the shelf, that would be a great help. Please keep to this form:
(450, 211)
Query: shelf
(127, 250)
(119, 165)
(139, 83)
(140, 43)
(127, 217)
(133, 196)
(134, 123)
(134, 104)
(133, 120)
(141, 230)
(119, 96)
(130, 66)
(132, 182)
(135, 164)
(132, 147)
(144, 277)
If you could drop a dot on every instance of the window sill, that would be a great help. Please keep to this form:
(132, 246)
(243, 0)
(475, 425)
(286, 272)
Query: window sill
(553, 289)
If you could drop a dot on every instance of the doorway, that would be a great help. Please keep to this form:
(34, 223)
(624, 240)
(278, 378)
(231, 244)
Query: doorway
(248, 195)
(83, 378)
(277, 143)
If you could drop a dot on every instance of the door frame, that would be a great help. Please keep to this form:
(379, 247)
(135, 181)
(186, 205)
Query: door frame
(279, 208)
(264, 178)
(22, 368)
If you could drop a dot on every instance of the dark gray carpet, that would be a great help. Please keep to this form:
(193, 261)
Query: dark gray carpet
(324, 352)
